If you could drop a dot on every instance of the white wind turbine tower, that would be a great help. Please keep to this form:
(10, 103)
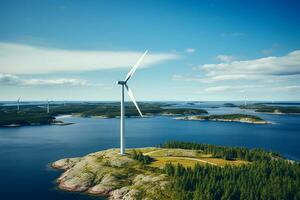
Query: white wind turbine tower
(48, 106)
(130, 94)
(18, 103)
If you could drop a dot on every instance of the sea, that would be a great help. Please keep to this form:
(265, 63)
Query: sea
(26, 152)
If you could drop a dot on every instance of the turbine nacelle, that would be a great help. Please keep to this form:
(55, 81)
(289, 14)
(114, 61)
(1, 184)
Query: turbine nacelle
(121, 82)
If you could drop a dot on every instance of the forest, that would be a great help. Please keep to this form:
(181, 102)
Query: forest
(37, 114)
(266, 177)
(139, 156)
(277, 179)
(259, 107)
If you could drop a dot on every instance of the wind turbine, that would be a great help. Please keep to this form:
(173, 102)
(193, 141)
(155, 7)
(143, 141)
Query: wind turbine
(18, 103)
(130, 94)
(48, 106)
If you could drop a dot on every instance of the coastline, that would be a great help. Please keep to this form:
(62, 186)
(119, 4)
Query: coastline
(196, 118)
(278, 113)
(37, 124)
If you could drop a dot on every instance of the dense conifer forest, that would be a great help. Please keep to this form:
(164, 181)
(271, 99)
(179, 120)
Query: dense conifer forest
(37, 114)
(143, 159)
(268, 176)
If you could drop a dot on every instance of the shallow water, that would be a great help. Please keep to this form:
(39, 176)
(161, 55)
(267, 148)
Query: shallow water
(25, 152)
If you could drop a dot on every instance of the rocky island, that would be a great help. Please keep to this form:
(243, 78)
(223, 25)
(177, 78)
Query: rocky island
(227, 118)
(138, 175)
(181, 171)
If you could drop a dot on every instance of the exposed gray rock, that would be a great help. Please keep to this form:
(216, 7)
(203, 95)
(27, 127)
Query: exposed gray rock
(119, 193)
(109, 173)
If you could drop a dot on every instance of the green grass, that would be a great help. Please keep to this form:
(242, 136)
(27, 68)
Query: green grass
(187, 158)
(160, 162)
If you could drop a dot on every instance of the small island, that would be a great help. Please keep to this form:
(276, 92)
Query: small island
(229, 105)
(180, 170)
(227, 118)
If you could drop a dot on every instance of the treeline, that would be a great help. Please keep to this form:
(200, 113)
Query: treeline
(276, 180)
(24, 119)
(109, 110)
(183, 111)
(258, 107)
(235, 116)
(281, 109)
(231, 117)
(228, 153)
(139, 156)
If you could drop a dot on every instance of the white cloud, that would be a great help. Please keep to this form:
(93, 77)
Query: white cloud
(284, 65)
(13, 80)
(289, 88)
(26, 59)
(229, 77)
(268, 70)
(217, 89)
(190, 50)
(225, 58)
(223, 88)
(293, 87)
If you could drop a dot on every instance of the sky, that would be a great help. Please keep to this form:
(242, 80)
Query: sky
(198, 50)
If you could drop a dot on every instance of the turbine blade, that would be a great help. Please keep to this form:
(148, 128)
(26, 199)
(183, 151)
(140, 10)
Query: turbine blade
(130, 94)
(131, 72)
(19, 99)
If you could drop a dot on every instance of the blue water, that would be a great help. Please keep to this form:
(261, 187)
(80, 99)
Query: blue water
(25, 152)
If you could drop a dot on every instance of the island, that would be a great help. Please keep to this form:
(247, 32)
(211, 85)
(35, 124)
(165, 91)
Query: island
(272, 109)
(229, 105)
(227, 118)
(36, 114)
(181, 170)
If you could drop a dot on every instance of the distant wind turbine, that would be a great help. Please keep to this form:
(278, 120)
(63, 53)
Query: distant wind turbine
(48, 106)
(130, 94)
(18, 103)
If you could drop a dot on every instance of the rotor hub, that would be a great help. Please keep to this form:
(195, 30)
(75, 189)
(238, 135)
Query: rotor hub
(121, 82)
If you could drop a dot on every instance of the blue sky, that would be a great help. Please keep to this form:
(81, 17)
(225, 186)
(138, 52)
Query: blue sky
(198, 50)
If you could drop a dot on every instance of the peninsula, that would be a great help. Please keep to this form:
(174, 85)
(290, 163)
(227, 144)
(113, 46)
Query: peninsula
(179, 170)
(227, 118)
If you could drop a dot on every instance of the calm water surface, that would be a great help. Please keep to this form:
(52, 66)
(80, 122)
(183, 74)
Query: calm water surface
(25, 152)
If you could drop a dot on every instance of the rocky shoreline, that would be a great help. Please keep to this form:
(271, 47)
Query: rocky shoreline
(205, 118)
(106, 173)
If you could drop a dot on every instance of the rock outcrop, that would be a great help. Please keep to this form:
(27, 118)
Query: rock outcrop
(110, 174)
